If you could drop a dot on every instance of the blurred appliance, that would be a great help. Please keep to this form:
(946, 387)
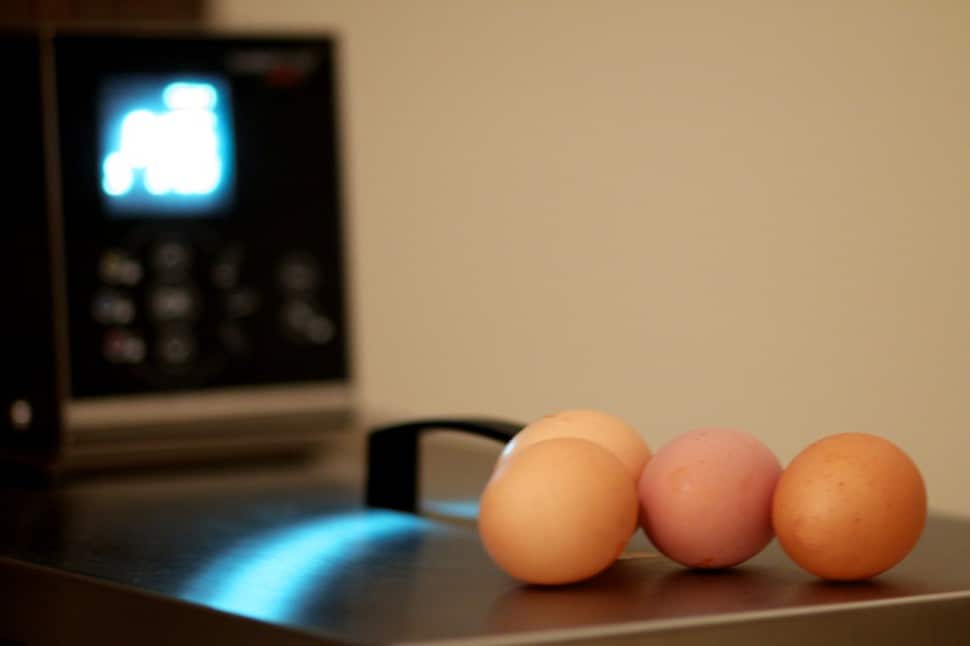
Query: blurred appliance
(172, 257)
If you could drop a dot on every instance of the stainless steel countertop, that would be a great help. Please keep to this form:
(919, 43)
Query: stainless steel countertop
(286, 553)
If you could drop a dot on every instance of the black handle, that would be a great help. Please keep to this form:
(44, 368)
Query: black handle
(393, 458)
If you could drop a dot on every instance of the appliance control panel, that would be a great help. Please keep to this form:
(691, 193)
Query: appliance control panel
(201, 212)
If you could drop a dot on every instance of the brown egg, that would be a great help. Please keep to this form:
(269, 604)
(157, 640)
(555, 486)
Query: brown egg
(557, 512)
(609, 431)
(849, 507)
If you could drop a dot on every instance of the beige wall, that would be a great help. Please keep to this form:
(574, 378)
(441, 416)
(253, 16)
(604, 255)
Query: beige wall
(751, 214)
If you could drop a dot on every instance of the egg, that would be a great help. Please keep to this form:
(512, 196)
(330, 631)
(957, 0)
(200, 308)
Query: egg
(557, 512)
(608, 431)
(705, 498)
(849, 507)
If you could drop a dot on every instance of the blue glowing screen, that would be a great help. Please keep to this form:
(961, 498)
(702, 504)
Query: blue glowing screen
(166, 145)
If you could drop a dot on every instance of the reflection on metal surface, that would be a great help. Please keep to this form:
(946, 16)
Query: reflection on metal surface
(636, 590)
(270, 576)
(456, 509)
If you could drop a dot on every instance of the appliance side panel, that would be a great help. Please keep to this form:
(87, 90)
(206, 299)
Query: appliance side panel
(30, 411)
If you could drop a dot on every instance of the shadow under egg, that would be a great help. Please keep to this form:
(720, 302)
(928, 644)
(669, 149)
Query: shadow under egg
(618, 594)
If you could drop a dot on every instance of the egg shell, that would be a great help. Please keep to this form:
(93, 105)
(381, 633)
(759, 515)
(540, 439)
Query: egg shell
(557, 512)
(705, 497)
(608, 431)
(849, 507)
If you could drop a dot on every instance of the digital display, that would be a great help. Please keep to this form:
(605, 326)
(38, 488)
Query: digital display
(166, 146)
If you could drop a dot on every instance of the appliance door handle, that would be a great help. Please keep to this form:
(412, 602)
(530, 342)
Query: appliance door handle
(393, 456)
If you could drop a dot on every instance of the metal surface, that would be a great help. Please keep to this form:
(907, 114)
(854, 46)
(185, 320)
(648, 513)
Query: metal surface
(195, 556)
(200, 425)
(208, 405)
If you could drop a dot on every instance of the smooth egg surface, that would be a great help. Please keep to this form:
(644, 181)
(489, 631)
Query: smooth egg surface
(557, 512)
(608, 431)
(705, 498)
(849, 507)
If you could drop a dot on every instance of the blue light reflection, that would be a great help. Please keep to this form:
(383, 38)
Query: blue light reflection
(268, 577)
(463, 509)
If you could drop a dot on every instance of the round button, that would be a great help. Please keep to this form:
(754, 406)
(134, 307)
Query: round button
(176, 347)
(295, 316)
(118, 268)
(111, 307)
(226, 269)
(123, 346)
(304, 323)
(21, 414)
(298, 272)
(172, 260)
(319, 330)
(173, 303)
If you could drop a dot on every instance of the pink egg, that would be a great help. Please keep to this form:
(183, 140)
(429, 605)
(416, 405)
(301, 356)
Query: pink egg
(705, 498)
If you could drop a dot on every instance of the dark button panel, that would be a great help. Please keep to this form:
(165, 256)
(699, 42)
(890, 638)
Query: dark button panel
(173, 307)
